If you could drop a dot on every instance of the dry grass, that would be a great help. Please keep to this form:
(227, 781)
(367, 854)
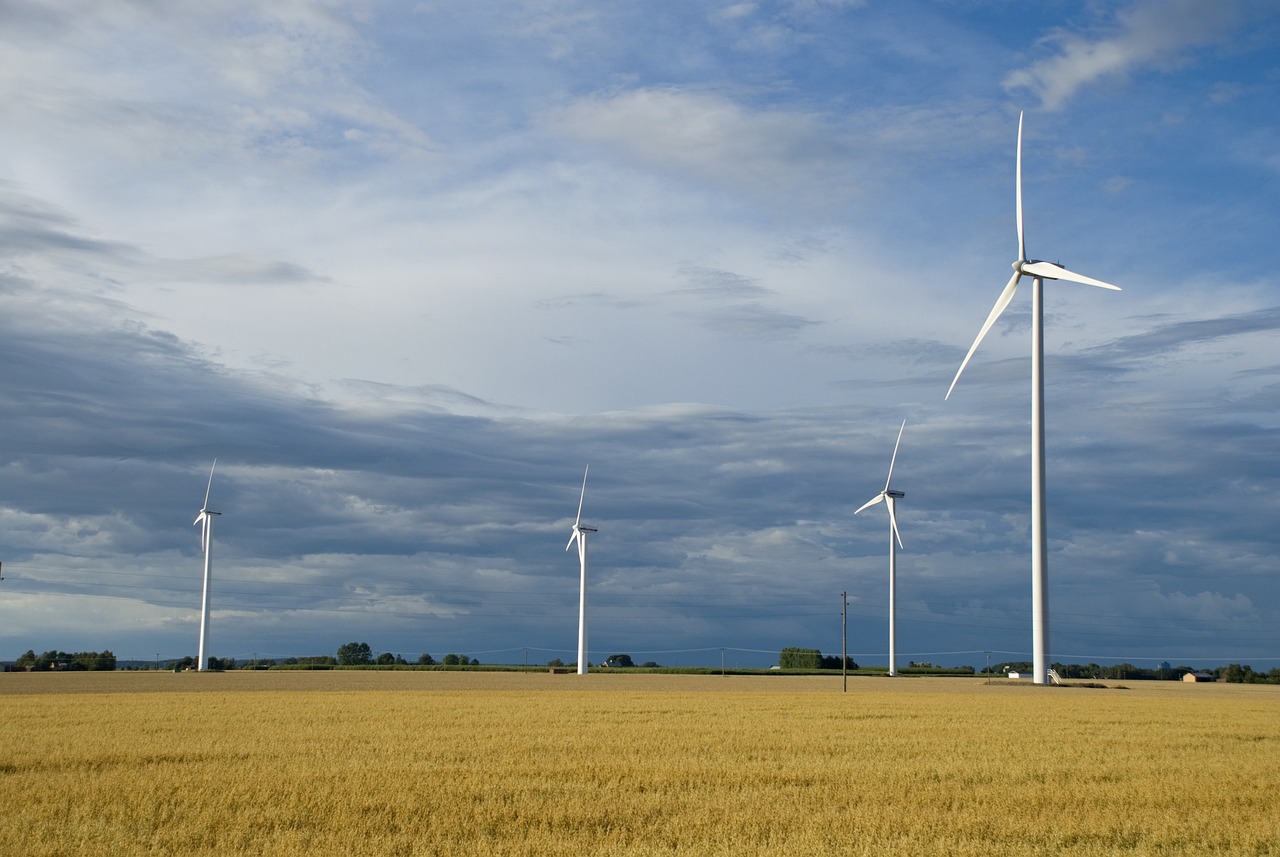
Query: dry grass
(424, 763)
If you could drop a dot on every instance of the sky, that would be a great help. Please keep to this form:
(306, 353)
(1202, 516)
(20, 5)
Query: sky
(406, 269)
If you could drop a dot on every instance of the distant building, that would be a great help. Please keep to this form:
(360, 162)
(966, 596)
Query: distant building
(1199, 677)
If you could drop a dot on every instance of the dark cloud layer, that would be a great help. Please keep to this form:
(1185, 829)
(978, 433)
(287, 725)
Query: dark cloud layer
(405, 299)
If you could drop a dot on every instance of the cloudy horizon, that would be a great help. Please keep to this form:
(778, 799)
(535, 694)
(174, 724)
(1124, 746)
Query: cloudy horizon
(406, 270)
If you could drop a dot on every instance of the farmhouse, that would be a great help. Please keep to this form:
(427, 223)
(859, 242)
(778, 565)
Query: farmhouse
(1200, 677)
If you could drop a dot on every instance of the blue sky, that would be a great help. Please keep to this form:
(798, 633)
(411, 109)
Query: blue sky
(405, 269)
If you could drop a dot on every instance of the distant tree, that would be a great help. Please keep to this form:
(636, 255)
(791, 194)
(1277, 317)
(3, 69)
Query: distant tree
(832, 662)
(355, 654)
(426, 660)
(651, 664)
(48, 660)
(619, 661)
(555, 662)
(451, 660)
(26, 661)
(792, 658)
(385, 659)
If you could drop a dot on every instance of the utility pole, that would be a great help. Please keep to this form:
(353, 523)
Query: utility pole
(844, 640)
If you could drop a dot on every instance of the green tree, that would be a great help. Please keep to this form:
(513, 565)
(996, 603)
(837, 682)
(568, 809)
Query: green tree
(27, 661)
(793, 658)
(385, 659)
(1238, 674)
(426, 660)
(619, 661)
(355, 654)
(451, 660)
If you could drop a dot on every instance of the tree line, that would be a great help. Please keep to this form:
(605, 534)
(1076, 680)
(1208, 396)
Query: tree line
(792, 657)
(56, 660)
(1233, 673)
(795, 658)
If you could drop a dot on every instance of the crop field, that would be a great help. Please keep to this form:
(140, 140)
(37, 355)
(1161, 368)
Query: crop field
(451, 763)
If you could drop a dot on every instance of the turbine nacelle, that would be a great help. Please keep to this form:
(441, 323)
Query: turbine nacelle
(579, 531)
(1052, 271)
(204, 513)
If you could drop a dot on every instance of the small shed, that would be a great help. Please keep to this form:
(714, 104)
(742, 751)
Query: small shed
(1202, 676)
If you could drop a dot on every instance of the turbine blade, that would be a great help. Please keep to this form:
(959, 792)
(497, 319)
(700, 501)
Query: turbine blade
(582, 496)
(573, 538)
(1003, 301)
(199, 518)
(870, 503)
(1051, 271)
(895, 454)
(210, 485)
(1022, 239)
(893, 524)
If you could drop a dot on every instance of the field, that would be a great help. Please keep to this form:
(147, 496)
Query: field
(443, 763)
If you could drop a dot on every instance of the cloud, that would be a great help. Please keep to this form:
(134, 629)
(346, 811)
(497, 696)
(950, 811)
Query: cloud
(706, 137)
(1166, 338)
(1147, 36)
(406, 271)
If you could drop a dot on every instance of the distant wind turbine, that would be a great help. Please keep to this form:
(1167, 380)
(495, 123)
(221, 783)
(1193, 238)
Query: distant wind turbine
(889, 496)
(580, 536)
(1039, 272)
(205, 520)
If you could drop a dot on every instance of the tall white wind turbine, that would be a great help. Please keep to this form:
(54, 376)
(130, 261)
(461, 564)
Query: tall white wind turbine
(890, 496)
(205, 521)
(580, 531)
(1039, 272)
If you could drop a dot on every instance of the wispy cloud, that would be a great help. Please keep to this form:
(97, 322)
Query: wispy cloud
(1148, 36)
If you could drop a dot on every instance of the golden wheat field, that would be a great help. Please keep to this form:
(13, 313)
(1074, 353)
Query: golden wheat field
(450, 763)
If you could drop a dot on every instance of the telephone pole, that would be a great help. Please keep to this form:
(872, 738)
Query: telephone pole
(844, 640)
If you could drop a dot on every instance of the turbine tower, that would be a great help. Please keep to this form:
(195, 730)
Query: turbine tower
(1039, 272)
(889, 497)
(580, 536)
(205, 520)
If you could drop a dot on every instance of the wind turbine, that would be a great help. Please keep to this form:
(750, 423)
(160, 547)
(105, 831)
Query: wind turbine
(889, 497)
(580, 536)
(205, 520)
(1039, 272)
